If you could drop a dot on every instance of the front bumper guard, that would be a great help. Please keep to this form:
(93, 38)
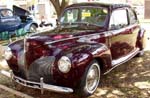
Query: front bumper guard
(37, 85)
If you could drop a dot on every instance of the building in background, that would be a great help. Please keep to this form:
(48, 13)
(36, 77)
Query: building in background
(38, 8)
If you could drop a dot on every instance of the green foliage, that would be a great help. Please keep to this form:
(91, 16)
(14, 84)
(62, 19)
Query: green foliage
(4, 35)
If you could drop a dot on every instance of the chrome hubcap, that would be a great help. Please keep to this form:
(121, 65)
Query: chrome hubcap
(93, 77)
(32, 29)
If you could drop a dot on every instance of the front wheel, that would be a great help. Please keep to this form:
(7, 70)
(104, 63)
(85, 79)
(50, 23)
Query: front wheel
(90, 80)
(33, 28)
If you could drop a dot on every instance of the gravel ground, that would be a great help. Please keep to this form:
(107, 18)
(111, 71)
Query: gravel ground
(4, 94)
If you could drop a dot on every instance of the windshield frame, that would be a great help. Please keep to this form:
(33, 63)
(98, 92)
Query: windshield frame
(86, 7)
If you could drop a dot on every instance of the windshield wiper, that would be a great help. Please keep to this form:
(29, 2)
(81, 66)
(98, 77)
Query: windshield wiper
(83, 25)
(87, 24)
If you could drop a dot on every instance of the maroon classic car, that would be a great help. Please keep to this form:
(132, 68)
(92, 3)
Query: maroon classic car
(91, 39)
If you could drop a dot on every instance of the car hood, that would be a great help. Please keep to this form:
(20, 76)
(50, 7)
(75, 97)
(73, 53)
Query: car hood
(65, 33)
(20, 11)
(55, 42)
(52, 44)
(54, 38)
(59, 38)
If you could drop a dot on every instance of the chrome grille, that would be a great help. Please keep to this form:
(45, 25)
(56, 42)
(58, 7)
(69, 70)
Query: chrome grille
(41, 68)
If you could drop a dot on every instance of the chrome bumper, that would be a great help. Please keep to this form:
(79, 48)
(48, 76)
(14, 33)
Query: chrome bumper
(38, 85)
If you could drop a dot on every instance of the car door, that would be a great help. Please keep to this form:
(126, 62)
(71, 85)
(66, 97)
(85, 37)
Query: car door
(134, 25)
(123, 38)
(8, 22)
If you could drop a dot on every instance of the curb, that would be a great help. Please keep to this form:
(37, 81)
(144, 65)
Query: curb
(14, 92)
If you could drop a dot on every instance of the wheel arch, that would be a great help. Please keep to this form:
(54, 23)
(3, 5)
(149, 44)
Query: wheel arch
(103, 57)
(35, 24)
(100, 62)
(104, 63)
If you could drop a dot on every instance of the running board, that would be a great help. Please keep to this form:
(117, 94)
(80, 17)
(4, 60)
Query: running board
(122, 60)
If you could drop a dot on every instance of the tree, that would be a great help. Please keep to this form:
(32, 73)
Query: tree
(59, 5)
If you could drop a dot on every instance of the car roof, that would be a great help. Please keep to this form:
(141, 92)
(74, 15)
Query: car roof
(95, 4)
(4, 9)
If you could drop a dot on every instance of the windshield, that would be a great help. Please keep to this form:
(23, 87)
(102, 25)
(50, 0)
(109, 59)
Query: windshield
(91, 15)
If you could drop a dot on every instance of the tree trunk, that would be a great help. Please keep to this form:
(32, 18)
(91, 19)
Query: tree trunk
(59, 6)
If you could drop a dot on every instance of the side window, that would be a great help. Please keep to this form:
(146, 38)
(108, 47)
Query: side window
(118, 19)
(132, 16)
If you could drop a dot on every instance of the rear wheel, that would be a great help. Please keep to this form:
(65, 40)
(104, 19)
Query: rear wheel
(141, 46)
(90, 80)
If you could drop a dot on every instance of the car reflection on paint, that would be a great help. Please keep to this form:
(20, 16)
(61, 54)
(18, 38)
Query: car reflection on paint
(15, 23)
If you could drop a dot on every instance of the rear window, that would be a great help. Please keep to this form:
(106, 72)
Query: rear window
(6, 13)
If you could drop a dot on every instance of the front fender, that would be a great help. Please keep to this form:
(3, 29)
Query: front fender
(102, 54)
(81, 58)
(86, 55)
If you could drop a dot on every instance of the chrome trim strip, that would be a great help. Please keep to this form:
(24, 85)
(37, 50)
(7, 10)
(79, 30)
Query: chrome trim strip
(123, 29)
(103, 47)
(106, 34)
(118, 61)
(122, 60)
(24, 51)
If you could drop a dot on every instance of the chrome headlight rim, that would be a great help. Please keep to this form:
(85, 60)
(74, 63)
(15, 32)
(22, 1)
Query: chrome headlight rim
(64, 64)
(7, 53)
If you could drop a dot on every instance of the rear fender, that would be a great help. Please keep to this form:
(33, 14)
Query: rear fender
(141, 33)
(140, 38)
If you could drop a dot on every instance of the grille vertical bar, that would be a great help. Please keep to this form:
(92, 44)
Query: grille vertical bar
(25, 50)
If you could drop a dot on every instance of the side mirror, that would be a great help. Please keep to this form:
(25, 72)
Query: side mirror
(112, 27)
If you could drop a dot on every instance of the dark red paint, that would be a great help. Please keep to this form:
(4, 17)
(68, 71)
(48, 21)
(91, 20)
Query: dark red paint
(82, 47)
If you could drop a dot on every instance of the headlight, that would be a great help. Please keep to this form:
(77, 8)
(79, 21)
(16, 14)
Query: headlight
(7, 53)
(64, 64)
